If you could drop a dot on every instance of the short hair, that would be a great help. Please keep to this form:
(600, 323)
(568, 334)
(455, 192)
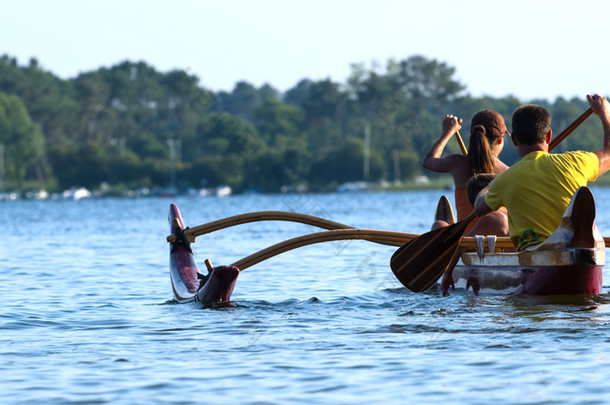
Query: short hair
(477, 183)
(531, 123)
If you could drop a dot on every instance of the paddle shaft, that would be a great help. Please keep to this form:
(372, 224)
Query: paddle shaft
(461, 143)
(563, 134)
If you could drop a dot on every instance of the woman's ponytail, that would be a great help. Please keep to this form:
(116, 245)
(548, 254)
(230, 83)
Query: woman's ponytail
(480, 157)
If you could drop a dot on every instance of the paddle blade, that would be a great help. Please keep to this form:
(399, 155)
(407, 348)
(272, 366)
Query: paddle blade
(418, 264)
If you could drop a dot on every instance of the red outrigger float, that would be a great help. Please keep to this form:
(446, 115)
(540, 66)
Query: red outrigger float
(570, 262)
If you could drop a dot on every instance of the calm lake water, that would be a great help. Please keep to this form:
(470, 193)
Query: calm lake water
(87, 314)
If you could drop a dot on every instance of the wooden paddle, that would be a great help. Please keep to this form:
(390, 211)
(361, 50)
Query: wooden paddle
(418, 264)
(461, 143)
(563, 134)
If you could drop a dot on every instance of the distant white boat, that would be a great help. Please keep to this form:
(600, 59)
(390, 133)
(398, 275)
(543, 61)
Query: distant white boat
(8, 196)
(37, 195)
(41, 194)
(422, 180)
(352, 186)
(76, 194)
(223, 191)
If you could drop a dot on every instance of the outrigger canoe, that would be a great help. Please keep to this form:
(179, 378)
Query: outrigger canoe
(568, 262)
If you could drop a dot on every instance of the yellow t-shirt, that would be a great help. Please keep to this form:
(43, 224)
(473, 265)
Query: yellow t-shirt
(537, 190)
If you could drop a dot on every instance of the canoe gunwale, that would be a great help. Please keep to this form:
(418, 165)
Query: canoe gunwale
(537, 258)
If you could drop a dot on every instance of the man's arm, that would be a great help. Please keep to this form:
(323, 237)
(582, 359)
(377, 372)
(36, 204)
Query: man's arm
(600, 106)
(480, 206)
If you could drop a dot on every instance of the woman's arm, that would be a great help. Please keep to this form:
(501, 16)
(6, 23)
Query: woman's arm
(432, 160)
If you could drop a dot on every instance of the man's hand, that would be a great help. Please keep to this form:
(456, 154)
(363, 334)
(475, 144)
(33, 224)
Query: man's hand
(599, 105)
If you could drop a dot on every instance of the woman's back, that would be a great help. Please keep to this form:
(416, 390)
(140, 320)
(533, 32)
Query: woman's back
(485, 144)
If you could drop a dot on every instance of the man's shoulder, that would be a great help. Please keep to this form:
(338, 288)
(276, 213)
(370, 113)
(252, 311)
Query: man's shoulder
(578, 154)
(579, 157)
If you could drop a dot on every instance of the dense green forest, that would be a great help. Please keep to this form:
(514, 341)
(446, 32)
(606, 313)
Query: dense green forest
(126, 126)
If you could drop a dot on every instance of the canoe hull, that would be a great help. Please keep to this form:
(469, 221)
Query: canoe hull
(185, 275)
(548, 280)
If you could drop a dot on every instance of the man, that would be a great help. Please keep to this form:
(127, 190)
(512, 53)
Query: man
(537, 190)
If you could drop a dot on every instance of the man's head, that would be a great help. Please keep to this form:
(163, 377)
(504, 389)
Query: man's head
(477, 183)
(531, 124)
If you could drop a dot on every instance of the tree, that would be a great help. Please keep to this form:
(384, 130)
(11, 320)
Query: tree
(48, 99)
(324, 106)
(113, 125)
(242, 101)
(345, 163)
(268, 92)
(22, 139)
(279, 124)
(428, 82)
(299, 93)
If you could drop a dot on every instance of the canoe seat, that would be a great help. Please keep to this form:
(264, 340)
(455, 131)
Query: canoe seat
(577, 228)
(583, 219)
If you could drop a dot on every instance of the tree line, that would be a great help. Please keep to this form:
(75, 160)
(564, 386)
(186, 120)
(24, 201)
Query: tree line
(130, 126)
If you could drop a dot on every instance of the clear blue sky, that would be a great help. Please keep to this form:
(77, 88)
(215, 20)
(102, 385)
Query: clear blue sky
(527, 48)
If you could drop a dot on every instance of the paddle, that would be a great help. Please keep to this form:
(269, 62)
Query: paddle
(418, 264)
(461, 143)
(563, 134)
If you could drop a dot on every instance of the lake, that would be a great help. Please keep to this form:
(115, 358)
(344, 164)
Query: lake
(88, 314)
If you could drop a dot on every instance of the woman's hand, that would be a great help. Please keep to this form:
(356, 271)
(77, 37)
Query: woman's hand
(451, 124)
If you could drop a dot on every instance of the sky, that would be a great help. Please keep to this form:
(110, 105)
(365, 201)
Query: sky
(530, 49)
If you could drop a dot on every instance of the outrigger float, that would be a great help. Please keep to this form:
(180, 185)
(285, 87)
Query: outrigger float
(569, 262)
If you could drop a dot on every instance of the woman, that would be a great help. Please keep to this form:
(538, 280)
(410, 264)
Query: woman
(487, 131)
